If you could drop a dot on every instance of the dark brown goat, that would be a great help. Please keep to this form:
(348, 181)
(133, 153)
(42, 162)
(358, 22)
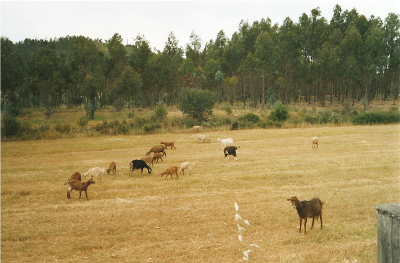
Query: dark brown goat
(79, 186)
(76, 176)
(305, 209)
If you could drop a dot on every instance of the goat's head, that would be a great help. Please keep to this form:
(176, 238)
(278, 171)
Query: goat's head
(149, 170)
(294, 201)
(108, 170)
(91, 181)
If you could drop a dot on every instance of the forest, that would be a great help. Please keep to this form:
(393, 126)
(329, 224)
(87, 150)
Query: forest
(351, 57)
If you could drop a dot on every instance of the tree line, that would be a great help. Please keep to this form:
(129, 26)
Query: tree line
(349, 57)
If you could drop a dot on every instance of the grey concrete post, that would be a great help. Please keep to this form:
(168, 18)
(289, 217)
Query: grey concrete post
(388, 217)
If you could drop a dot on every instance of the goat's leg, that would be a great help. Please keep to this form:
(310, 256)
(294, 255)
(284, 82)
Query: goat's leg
(86, 195)
(320, 217)
(68, 195)
(300, 224)
(80, 194)
(312, 225)
(305, 226)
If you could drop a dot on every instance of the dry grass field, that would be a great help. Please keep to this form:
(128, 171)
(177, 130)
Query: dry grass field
(148, 218)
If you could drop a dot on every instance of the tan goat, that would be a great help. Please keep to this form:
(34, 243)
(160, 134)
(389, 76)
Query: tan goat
(170, 171)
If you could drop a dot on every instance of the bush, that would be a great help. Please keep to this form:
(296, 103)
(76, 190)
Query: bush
(251, 117)
(10, 126)
(279, 113)
(83, 121)
(383, 117)
(161, 113)
(63, 127)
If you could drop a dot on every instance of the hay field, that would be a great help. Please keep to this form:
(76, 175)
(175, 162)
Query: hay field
(146, 218)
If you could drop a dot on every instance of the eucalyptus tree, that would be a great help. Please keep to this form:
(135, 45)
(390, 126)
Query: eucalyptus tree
(265, 57)
(87, 64)
(193, 49)
(127, 87)
(392, 39)
(174, 55)
(12, 76)
(45, 77)
(288, 52)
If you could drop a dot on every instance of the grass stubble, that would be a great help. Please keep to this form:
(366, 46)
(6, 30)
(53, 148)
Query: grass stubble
(146, 218)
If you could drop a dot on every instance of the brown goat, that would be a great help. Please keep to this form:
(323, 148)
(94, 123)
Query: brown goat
(148, 160)
(112, 167)
(76, 176)
(157, 149)
(170, 171)
(307, 209)
(157, 156)
(78, 185)
(170, 144)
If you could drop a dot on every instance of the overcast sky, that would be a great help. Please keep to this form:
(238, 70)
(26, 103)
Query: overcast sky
(156, 19)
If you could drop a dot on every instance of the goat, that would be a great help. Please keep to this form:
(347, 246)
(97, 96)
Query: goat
(78, 185)
(230, 150)
(311, 209)
(112, 167)
(157, 156)
(138, 164)
(170, 144)
(157, 149)
(234, 126)
(170, 171)
(148, 160)
(314, 141)
(226, 142)
(185, 165)
(75, 176)
(96, 171)
(202, 138)
(195, 129)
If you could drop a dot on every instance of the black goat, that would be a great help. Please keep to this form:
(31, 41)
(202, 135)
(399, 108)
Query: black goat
(230, 150)
(138, 164)
(79, 186)
(311, 209)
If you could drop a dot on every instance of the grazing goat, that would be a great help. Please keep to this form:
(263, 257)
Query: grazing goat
(170, 171)
(112, 167)
(75, 176)
(226, 142)
(314, 141)
(138, 164)
(157, 156)
(170, 144)
(185, 165)
(202, 138)
(78, 185)
(157, 149)
(230, 150)
(148, 160)
(96, 171)
(196, 129)
(305, 209)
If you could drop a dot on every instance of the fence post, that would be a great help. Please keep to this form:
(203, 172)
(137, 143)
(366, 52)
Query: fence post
(388, 224)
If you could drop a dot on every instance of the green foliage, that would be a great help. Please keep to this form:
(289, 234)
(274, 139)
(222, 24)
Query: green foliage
(250, 117)
(91, 107)
(383, 117)
(279, 113)
(196, 102)
(63, 127)
(83, 121)
(10, 126)
(161, 113)
(13, 107)
(228, 109)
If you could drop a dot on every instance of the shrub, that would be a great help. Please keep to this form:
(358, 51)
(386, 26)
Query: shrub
(161, 113)
(382, 117)
(279, 113)
(251, 117)
(83, 121)
(10, 126)
(228, 109)
(62, 127)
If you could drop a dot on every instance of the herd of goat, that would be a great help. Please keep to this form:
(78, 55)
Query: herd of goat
(305, 209)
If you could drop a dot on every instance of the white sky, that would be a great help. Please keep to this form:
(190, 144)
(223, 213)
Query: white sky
(156, 19)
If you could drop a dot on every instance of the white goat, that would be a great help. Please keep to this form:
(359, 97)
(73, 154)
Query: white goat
(314, 141)
(202, 138)
(185, 165)
(96, 171)
(226, 142)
